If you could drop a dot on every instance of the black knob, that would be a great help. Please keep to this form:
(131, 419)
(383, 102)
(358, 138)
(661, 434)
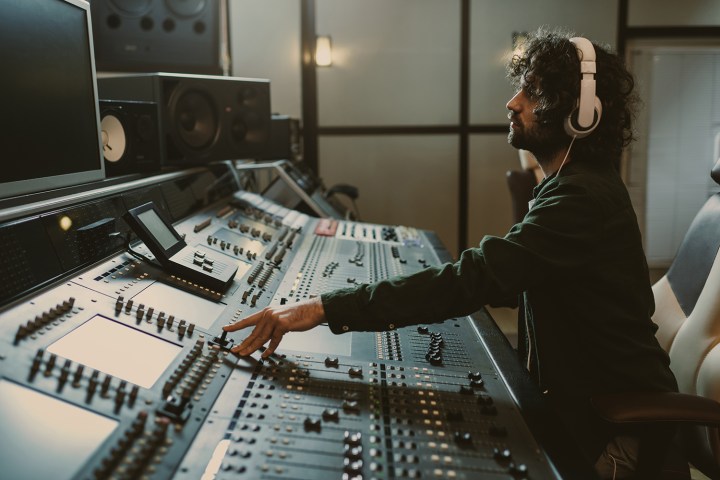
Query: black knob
(477, 383)
(463, 438)
(331, 414)
(353, 467)
(518, 470)
(352, 438)
(502, 455)
(353, 453)
(423, 330)
(313, 424)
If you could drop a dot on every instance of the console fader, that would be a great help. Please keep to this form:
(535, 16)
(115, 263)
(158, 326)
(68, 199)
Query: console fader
(119, 370)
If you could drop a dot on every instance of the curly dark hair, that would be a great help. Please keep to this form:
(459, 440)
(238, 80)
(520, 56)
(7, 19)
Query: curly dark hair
(549, 71)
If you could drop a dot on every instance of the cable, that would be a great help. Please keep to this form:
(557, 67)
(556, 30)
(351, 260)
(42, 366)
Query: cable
(566, 155)
(134, 253)
(357, 210)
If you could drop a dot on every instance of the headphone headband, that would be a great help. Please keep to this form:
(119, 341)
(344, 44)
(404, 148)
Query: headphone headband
(583, 119)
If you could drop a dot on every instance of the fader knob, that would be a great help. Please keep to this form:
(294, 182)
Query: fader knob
(477, 383)
(353, 467)
(353, 453)
(331, 414)
(352, 438)
(313, 424)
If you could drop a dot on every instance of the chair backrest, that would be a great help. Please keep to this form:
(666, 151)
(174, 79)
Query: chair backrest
(521, 184)
(687, 312)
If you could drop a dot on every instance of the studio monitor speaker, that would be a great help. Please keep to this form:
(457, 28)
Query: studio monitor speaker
(201, 118)
(130, 138)
(285, 140)
(158, 35)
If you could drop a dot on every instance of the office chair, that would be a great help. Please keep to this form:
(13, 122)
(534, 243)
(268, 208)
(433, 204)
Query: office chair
(521, 184)
(687, 312)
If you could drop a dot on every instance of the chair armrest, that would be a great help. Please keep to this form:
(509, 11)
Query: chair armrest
(649, 407)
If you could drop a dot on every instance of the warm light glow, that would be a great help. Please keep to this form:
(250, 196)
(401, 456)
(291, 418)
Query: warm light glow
(323, 51)
(65, 223)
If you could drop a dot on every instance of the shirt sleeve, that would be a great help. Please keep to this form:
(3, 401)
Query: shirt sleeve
(557, 234)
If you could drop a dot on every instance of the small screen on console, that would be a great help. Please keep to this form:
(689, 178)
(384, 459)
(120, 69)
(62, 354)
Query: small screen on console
(117, 349)
(44, 437)
(157, 228)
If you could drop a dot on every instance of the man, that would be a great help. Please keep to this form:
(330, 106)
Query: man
(576, 258)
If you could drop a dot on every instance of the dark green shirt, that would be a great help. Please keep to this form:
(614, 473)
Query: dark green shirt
(578, 262)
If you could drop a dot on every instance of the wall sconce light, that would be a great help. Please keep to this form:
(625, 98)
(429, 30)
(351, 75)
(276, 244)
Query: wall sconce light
(323, 51)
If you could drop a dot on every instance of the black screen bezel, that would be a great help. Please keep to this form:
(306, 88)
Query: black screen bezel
(133, 219)
(53, 181)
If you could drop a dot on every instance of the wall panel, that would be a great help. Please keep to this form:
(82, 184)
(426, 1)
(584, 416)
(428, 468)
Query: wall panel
(403, 180)
(395, 63)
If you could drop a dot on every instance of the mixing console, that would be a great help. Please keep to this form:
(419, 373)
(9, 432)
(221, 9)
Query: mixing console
(111, 368)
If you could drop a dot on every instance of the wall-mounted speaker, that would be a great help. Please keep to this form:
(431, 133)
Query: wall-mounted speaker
(158, 35)
(130, 137)
(201, 118)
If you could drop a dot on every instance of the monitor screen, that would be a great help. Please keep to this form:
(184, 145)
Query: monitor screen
(49, 127)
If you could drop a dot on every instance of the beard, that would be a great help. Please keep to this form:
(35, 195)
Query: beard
(541, 139)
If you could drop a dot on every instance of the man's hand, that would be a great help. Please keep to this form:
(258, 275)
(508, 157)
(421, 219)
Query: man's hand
(271, 323)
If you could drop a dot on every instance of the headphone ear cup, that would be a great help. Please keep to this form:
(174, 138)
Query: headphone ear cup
(572, 127)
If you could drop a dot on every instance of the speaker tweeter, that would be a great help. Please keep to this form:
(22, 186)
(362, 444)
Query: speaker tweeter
(130, 137)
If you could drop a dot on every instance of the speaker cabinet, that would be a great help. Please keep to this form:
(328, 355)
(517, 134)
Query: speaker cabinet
(201, 118)
(130, 137)
(158, 35)
(285, 141)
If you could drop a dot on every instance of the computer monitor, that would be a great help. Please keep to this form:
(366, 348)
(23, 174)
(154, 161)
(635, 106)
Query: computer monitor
(49, 120)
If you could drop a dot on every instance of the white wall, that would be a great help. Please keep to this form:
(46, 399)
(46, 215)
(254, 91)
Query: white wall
(395, 62)
(407, 180)
(653, 13)
(492, 25)
(265, 43)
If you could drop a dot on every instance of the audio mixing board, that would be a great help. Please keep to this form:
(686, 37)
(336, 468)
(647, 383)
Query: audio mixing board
(111, 368)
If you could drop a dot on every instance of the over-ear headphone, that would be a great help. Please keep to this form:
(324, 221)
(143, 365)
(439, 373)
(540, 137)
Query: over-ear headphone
(586, 116)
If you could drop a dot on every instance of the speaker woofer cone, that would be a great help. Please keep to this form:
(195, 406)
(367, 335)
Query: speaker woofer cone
(186, 8)
(132, 7)
(248, 128)
(195, 120)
